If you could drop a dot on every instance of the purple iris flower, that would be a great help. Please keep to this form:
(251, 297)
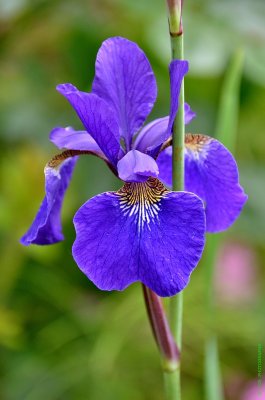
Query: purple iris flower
(143, 232)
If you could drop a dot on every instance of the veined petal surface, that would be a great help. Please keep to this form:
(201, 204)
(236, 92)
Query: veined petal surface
(69, 138)
(210, 172)
(97, 117)
(46, 227)
(125, 80)
(136, 167)
(140, 233)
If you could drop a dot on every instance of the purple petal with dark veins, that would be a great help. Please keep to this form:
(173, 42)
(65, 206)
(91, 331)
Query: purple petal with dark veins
(124, 78)
(97, 117)
(141, 233)
(137, 167)
(68, 138)
(46, 227)
(154, 132)
(211, 173)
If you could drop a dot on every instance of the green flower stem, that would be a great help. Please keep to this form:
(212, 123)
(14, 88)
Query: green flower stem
(179, 127)
(172, 385)
(172, 381)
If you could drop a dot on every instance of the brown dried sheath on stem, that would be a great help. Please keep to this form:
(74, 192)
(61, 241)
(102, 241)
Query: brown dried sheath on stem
(161, 330)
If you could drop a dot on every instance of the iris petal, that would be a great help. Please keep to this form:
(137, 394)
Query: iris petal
(46, 227)
(97, 118)
(68, 138)
(153, 133)
(164, 162)
(177, 71)
(141, 233)
(211, 173)
(125, 80)
(137, 167)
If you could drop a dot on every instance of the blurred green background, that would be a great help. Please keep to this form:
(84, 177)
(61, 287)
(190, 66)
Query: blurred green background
(61, 338)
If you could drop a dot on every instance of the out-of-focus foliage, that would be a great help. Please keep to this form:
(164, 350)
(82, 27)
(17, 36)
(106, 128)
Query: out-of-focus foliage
(61, 338)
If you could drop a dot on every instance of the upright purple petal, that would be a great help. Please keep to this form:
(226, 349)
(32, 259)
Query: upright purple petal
(137, 167)
(124, 78)
(46, 227)
(211, 173)
(177, 71)
(68, 138)
(97, 117)
(141, 233)
(153, 134)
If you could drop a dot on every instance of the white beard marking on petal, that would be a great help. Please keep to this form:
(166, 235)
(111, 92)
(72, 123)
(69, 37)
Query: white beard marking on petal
(142, 201)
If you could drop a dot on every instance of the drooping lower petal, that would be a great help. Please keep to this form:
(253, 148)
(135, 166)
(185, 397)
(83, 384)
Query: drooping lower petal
(141, 233)
(153, 134)
(211, 173)
(124, 78)
(97, 117)
(136, 167)
(69, 138)
(46, 227)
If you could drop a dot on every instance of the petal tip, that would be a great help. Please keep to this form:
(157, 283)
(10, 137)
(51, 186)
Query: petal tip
(183, 64)
(40, 238)
(66, 88)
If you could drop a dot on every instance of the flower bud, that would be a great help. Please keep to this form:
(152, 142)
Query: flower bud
(175, 17)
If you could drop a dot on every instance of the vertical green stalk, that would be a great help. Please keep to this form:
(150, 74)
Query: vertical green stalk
(172, 381)
(172, 385)
(176, 302)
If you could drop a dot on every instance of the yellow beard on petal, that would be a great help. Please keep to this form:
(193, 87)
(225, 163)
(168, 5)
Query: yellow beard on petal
(141, 200)
(196, 141)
